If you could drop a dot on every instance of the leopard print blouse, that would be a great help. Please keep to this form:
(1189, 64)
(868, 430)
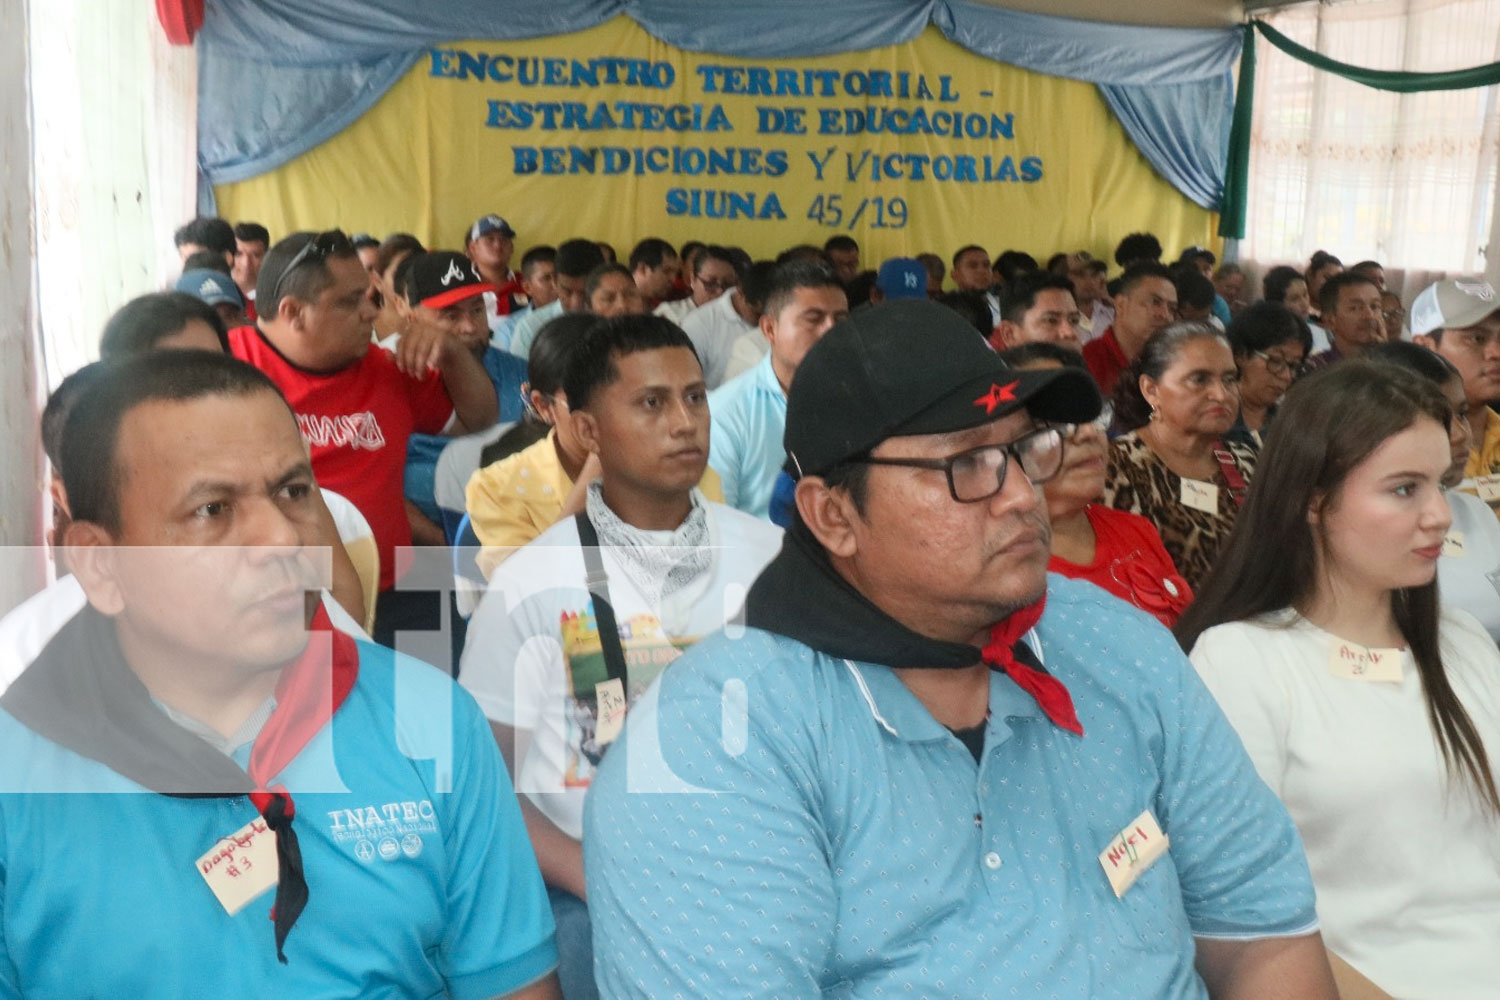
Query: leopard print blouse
(1140, 482)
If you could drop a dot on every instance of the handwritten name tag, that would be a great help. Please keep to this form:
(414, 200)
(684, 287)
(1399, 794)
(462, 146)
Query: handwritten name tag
(1200, 496)
(241, 866)
(1133, 850)
(610, 704)
(1360, 663)
(1488, 488)
(1453, 544)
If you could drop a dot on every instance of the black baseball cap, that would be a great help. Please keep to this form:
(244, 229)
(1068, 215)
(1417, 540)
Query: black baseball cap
(442, 278)
(913, 367)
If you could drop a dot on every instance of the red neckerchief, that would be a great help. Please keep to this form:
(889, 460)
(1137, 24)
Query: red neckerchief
(307, 695)
(1050, 693)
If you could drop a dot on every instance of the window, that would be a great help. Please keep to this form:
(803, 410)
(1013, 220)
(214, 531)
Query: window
(1406, 179)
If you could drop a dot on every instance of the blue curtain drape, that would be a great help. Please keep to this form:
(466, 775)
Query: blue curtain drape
(1182, 129)
(279, 77)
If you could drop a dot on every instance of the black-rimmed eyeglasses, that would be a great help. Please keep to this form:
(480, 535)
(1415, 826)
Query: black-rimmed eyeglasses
(320, 247)
(979, 473)
(1274, 365)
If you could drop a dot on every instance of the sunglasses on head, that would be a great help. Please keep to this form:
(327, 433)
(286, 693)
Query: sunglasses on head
(319, 248)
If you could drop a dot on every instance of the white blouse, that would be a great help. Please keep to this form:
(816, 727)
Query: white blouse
(1406, 860)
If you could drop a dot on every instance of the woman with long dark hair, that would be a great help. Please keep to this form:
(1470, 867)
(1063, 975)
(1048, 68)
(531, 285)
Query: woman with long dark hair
(1174, 468)
(1366, 706)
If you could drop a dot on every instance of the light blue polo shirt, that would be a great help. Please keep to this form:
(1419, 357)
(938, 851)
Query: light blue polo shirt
(744, 447)
(530, 325)
(421, 878)
(778, 823)
(504, 327)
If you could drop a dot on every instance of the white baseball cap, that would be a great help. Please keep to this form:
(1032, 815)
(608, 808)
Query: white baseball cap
(1452, 304)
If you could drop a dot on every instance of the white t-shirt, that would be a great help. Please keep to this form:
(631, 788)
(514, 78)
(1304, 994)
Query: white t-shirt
(1320, 339)
(713, 328)
(1406, 861)
(533, 637)
(676, 310)
(1469, 571)
(30, 625)
(748, 351)
(1095, 325)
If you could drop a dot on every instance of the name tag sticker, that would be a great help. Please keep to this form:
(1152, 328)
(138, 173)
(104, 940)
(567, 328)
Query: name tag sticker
(241, 866)
(610, 699)
(1133, 850)
(1200, 496)
(1360, 663)
(1488, 488)
(1453, 544)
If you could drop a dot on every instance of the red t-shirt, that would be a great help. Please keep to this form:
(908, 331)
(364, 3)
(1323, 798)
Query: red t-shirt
(1130, 562)
(356, 422)
(1106, 361)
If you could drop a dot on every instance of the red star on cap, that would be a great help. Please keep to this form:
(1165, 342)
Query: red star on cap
(998, 394)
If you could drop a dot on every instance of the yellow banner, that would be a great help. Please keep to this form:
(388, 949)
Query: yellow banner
(611, 134)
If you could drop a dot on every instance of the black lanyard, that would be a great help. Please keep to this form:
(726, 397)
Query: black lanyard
(604, 613)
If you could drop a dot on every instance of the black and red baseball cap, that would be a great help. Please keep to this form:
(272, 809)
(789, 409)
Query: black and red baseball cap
(442, 278)
(913, 367)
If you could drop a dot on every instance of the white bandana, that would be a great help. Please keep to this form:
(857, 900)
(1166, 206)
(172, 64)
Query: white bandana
(659, 563)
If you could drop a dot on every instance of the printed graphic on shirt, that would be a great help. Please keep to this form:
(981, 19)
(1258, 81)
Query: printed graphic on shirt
(387, 830)
(350, 430)
(648, 650)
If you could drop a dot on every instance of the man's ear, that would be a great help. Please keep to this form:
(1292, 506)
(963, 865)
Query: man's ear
(93, 557)
(1008, 333)
(768, 327)
(58, 493)
(542, 405)
(403, 307)
(289, 312)
(587, 429)
(829, 514)
(1425, 339)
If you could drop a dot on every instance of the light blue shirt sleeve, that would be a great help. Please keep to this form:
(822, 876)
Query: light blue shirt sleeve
(676, 916)
(499, 934)
(1238, 856)
(529, 326)
(745, 448)
(505, 328)
(724, 444)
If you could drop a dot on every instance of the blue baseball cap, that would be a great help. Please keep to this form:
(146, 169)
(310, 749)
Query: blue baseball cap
(213, 287)
(490, 224)
(902, 278)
